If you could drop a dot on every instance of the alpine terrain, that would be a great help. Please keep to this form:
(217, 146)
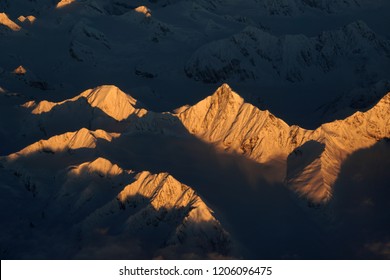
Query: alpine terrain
(180, 129)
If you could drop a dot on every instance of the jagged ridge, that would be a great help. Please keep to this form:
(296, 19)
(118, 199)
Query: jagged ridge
(225, 120)
(255, 54)
(82, 138)
(98, 200)
(7, 22)
(110, 99)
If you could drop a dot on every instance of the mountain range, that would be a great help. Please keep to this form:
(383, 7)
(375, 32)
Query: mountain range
(110, 201)
(182, 129)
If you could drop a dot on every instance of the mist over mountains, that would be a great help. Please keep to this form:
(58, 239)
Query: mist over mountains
(194, 129)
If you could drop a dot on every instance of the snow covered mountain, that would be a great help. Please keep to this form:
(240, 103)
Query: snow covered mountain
(298, 152)
(255, 54)
(147, 46)
(64, 3)
(360, 99)
(110, 99)
(226, 120)
(339, 139)
(312, 158)
(5, 21)
(104, 203)
(232, 125)
(308, 162)
(104, 107)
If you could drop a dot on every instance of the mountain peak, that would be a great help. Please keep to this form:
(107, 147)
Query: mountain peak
(225, 86)
(101, 166)
(27, 19)
(83, 138)
(167, 199)
(385, 101)
(164, 191)
(359, 29)
(6, 21)
(111, 100)
(358, 25)
(333, 143)
(373, 121)
(226, 92)
(108, 98)
(224, 104)
(226, 120)
(64, 3)
(224, 98)
(144, 10)
(20, 70)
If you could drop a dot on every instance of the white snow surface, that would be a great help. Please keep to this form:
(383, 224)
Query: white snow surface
(287, 131)
(225, 120)
(110, 99)
(256, 54)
